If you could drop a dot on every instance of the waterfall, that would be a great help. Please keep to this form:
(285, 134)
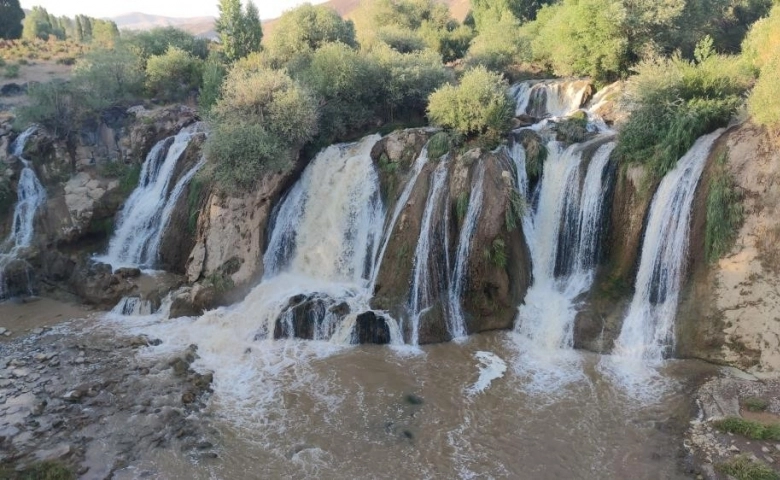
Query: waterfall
(132, 306)
(425, 278)
(31, 196)
(456, 323)
(403, 199)
(322, 251)
(562, 235)
(548, 98)
(647, 334)
(146, 213)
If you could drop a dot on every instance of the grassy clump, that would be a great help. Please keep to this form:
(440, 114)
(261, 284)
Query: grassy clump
(127, 174)
(572, 130)
(496, 254)
(11, 71)
(755, 404)
(515, 210)
(725, 212)
(742, 467)
(462, 206)
(439, 145)
(39, 471)
(749, 429)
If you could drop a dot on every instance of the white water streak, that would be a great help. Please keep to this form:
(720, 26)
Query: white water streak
(421, 299)
(142, 221)
(456, 322)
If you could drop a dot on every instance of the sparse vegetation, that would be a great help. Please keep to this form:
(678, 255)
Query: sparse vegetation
(755, 404)
(750, 429)
(724, 211)
(462, 206)
(496, 254)
(439, 145)
(39, 471)
(743, 467)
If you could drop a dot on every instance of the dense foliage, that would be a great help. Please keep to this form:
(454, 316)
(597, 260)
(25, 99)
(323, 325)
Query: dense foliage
(674, 101)
(305, 29)
(157, 41)
(173, 76)
(39, 23)
(239, 29)
(762, 50)
(11, 15)
(478, 105)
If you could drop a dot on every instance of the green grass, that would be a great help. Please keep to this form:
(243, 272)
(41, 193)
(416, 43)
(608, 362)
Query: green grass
(725, 212)
(439, 145)
(193, 203)
(11, 71)
(128, 175)
(515, 210)
(462, 206)
(743, 468)
(750, 429)
(755, 404)
(496, 254)
(39, 471)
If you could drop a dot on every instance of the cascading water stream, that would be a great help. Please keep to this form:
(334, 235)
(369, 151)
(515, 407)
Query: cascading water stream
(548, 98)
(31, 196)
(562, 235)
(456, 322)
(647, 335)
(426, 274)
(321, 253)
(146, 213)
(403, 199)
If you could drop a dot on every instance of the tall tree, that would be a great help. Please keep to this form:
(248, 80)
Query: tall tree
(239, 31)
(11, 16)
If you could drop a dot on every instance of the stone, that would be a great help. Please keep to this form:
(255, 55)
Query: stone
(733, 448)
(41, 357)
(37, 331)
(73, 396)
(59, 452)
(3, 330)
(128, 272)
(765, 449)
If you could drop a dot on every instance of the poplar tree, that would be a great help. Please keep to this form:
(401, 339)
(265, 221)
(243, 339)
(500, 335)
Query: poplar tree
(239, 30)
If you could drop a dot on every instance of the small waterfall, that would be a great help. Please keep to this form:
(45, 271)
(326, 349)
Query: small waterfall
(31, 196)
(563, 237)
(403, 199)
(647, 334)
(549, 98)
(456, 322)
(425, 278)
(133, 306)
(321, 253)
(146, 213)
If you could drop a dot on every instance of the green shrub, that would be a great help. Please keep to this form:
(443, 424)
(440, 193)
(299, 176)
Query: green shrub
(58, 106)
(479, 105)
(243, 151)
(764, 100)
(763, 40)
(572, 130)
(749, 429)
(157, 41)
(11, 71)
(211, 85)
(724, 212)
(743, 467)
(109, 77)
(462, 206)
(127, 174)
(307, 28)
(2, 62)
(173, 76)
(499, 46)
(439, 145)
(756, 404)
(675, 101)
(262, 118)
(402, 40)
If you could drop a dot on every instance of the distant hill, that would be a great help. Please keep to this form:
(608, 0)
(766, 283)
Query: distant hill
(204, 26)
(459, 8)
(200, 26)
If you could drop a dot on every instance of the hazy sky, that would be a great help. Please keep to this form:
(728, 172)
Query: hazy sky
(168, 8)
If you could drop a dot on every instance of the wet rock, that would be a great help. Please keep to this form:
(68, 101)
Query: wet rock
(128, 272)
(372, 328)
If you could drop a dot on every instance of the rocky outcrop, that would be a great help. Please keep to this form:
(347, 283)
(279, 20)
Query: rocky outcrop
(231, 235)
(496, 280)
(729, 313)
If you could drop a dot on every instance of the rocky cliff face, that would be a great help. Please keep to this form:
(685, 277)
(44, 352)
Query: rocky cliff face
(731, 309)
(87, 179)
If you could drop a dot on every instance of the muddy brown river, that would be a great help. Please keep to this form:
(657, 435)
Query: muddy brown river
(296, 409)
